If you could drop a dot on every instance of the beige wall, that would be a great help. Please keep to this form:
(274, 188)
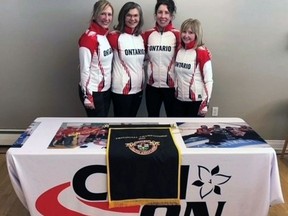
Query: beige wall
(248, 41)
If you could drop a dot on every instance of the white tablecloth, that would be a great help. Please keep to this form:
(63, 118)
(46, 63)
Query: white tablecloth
(72, 181)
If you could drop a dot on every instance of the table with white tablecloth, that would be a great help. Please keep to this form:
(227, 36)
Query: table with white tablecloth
(57, 179)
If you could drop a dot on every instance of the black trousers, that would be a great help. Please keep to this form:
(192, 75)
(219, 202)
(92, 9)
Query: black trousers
(102, 102)
(187, 108)
(126, 105)
(156, 96)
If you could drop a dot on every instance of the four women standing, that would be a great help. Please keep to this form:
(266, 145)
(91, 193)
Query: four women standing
(163, 44)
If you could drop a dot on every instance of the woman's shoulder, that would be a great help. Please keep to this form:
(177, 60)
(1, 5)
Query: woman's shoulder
(113, 37)
(149, 30)
(204, 52)
(174, 30)
(87, 38)
(114, 32)
(203, 49)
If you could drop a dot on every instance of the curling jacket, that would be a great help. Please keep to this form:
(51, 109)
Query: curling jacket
(95, 55)
(128, 61)
(161, 47)
(194, 79)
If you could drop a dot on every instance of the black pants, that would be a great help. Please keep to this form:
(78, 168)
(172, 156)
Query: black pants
(102, 102)
(156, 96)
(187, 108)
(126, 105)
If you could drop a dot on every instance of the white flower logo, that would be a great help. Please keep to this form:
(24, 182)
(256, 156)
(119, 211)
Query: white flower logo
(210, 181)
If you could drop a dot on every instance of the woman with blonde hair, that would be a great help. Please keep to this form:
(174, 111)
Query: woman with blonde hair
(193, 70)
(95, 55)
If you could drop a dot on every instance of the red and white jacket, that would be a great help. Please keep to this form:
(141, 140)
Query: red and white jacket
(194, 78)
(161, 48)
(128, 62)
(95, 55)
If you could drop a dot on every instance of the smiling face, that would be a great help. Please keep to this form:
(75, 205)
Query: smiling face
(163, 16)
(188, 36)
(104, 19)
(132, 18)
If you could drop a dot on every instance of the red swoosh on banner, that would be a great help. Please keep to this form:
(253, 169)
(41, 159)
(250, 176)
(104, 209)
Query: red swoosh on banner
(48, 203)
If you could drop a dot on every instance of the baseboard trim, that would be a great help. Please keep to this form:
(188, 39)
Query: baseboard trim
(276, 144)
(9, 136)
(11, 131)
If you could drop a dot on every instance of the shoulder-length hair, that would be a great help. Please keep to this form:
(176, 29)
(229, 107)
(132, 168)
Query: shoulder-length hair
(122, 15)
(196, 28)
(99, 6)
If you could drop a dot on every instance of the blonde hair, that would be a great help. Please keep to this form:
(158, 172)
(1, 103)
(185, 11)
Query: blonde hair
(196, 28)
(99, 6)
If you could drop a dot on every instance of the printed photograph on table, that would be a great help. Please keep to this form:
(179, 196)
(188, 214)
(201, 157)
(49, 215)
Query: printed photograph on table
(25, 135)
(220, 135)
(80, 135)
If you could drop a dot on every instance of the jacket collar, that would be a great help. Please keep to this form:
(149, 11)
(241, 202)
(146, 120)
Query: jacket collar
(129, 30)
(189, 45)
(98, 29)
(169, 27)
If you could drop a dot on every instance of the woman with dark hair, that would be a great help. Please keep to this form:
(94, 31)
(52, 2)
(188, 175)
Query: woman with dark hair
(129, 52)
(161, 45)
(95, 57)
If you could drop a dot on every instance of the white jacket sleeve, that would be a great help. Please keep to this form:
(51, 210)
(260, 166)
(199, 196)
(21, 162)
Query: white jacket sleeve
(85, 62)
(208, 79)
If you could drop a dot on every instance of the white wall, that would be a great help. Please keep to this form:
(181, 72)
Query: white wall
(248, 41)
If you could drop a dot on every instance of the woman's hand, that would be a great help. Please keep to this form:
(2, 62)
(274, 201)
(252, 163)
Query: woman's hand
(203, 109)
(89, 102)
